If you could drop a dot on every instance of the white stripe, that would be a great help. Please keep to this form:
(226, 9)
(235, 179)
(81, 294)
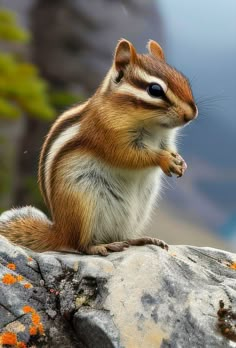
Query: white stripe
(65, 136)
(149, 78)
(139, 93)
(74, 110)
(142, 94)
(58, 144)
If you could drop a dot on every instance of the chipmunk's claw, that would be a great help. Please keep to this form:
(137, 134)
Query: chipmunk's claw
(104, 249)
(180, 165)
(150, 241)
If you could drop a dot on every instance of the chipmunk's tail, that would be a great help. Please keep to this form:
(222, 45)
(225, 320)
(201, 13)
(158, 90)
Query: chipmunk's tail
(28, 227)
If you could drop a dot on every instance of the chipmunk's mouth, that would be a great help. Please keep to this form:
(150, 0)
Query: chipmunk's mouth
(170, 124)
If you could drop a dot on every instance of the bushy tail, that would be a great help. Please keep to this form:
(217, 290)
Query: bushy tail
(28, 227)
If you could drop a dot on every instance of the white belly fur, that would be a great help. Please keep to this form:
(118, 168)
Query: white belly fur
(124, 198)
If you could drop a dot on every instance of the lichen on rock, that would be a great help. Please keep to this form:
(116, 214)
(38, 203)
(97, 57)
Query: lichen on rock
(144, 297)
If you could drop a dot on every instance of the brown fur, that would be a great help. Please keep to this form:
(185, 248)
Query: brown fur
(73, 226)
(155, 49)
(106, 124)
(34, 234)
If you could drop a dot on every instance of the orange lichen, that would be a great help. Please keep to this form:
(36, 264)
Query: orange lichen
(233, 265)
(11, 266)
(37, 325)
(9, 279)
(30, 259)
(41, 329)
(28, 309)
(27, 286)
(35, 319)
(33, 330)
(9, 338)
(19, 278)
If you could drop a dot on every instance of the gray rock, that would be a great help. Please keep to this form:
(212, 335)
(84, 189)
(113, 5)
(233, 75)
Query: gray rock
(144, 297)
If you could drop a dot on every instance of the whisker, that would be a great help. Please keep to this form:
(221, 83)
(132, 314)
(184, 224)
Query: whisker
(211, 108)
(167, 184)
(193, 79)
(212, 99)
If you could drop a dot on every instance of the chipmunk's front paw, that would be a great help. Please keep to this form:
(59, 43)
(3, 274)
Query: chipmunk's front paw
(173, 163)
(182, 165)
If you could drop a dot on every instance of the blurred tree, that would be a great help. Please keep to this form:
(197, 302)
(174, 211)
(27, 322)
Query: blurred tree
(22, 92)
(9, 30)
(21, 88)
(25, 95)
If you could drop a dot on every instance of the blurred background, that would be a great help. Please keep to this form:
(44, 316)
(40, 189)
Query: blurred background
(54, 54)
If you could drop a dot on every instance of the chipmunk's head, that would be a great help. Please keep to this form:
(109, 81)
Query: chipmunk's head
(148, 88)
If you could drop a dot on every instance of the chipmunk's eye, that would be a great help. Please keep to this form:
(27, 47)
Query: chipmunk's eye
(155, 90)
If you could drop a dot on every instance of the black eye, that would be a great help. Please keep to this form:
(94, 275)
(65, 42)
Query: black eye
(155, 90)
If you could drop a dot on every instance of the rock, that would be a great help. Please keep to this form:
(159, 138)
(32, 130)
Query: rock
(143, 297)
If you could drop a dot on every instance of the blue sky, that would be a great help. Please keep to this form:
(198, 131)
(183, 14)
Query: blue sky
(201, 21)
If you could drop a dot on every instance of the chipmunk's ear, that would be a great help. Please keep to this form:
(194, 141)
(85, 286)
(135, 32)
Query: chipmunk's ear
(155, 49)
(125, 54)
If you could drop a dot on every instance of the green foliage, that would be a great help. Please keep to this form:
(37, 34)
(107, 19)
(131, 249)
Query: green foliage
(62, 99)
(21, 88)
(8, 109)
(9, 30)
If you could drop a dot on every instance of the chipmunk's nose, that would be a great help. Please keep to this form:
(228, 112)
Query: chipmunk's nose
(191, 115)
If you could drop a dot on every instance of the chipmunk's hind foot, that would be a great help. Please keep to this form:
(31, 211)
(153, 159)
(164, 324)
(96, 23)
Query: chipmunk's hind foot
(104, 249)
(148, 240)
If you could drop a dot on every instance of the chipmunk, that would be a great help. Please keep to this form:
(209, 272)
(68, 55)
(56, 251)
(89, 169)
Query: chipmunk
(102, 161)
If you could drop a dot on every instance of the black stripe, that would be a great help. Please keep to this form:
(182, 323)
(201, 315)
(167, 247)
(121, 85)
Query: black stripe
(139, 83)
(61, 127)
(136, 102)
(143, 85)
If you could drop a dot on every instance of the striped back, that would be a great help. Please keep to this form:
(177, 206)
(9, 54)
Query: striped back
(65, 128)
